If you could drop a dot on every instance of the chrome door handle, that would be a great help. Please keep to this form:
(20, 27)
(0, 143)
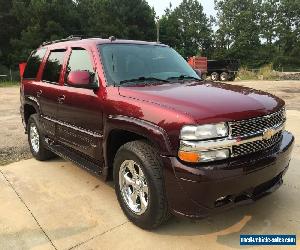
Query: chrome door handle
(61, 99)
(39, 93)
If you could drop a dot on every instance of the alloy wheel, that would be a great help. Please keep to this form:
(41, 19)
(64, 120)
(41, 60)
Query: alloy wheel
(34, 138)
(133, 187)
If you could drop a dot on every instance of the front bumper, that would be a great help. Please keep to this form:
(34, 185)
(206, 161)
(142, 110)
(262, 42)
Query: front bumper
(201, 190)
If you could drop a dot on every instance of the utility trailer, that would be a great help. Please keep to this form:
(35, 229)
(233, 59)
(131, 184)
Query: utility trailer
(224, 70)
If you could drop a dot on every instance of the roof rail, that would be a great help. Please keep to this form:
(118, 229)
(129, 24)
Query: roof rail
(69, 38)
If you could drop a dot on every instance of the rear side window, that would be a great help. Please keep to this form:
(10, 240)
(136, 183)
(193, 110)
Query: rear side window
(33, 64)
(53, 66)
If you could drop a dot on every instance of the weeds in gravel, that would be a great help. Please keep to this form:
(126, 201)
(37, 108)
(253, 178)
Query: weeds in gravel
(9, 84)
(264, 73)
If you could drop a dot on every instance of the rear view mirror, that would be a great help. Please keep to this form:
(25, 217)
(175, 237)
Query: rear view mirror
(198, 72)
(81, 79)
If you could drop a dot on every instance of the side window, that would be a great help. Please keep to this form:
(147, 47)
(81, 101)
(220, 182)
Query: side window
(33, 64)
(80, 60)
(53, 66)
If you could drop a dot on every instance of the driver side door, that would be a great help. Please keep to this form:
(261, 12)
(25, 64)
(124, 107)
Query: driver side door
(80, 111)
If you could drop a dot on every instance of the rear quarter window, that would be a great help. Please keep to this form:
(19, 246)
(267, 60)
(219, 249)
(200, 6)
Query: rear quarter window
(33, 64)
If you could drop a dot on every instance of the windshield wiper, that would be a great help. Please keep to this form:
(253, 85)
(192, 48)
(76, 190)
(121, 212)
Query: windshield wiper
(142, 79)
(184, 77)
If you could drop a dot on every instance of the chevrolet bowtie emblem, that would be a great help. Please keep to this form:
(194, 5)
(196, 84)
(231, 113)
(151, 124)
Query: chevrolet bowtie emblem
(268, 134)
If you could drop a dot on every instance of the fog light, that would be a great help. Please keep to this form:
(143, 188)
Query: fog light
(214, 155)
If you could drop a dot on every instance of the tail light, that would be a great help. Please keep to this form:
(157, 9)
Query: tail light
(22, 67)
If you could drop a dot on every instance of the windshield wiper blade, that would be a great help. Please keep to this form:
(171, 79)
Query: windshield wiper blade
(142, 79)
(184, 77)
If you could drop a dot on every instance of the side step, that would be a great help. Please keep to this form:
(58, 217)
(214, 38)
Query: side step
(69, 154)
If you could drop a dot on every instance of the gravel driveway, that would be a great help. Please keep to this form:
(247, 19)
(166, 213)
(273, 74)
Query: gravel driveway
(14, 146)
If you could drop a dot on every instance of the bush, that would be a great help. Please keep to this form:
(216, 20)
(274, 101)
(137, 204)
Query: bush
(266, 72)
(245, 74)
(10, 74)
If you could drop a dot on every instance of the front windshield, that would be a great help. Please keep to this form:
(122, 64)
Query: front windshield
(126, 62)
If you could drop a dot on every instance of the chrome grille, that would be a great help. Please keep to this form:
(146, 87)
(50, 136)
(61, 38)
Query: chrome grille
(255, 146)
(256, 125)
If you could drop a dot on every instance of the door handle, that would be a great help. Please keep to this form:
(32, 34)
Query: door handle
(39, 93)
(61, 99)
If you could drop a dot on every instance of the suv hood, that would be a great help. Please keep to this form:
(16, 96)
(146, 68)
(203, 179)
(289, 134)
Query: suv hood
(207, 101)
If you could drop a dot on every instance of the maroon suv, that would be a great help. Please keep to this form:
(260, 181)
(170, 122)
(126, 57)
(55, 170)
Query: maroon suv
(137, 113)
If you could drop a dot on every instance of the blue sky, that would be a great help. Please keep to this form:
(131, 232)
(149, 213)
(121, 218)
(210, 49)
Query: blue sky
(161, 5)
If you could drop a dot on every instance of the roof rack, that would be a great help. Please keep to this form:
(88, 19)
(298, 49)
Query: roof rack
(69, 38)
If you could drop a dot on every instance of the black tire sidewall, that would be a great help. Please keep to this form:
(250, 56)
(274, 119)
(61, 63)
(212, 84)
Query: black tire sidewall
(216, 75)
(146, 219)
(224, 75)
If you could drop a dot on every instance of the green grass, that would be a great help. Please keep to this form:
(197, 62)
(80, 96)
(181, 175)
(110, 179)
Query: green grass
(9, 84)
(264, 73)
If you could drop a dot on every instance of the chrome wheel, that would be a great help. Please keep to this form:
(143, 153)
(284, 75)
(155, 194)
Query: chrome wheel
(34, 138)
(133, 187)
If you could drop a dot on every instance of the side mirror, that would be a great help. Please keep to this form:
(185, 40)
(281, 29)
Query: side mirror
(81, 79)
(198, 72)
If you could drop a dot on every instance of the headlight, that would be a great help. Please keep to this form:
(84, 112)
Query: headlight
(203, 132)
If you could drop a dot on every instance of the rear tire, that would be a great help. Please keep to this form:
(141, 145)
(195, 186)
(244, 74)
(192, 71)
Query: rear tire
(36, 140)
(224, 76)
(139, 184)
(214, 76)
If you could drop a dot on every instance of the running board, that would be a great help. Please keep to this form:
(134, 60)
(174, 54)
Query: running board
(69, 154)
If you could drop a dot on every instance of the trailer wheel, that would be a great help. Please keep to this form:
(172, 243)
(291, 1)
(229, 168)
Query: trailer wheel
(204, 76)
(214, 76)
(224, 76)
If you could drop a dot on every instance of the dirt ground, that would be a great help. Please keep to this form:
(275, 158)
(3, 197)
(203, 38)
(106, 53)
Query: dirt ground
(14, 146)
(13, 141)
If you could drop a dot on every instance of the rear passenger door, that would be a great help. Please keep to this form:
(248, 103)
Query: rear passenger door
(48, 92)
(80, 112)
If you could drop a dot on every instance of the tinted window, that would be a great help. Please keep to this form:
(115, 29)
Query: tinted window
(33, 64)
(130, 61)
(53, 66)
(80, 60)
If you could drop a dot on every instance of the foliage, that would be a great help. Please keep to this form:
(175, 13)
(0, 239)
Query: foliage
(266, 72)
(9, 84)
(25, 24)
(257, 32)
(246, 74)
(187, 29)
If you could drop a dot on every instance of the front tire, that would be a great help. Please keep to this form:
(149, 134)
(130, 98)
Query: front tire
(139, 184)
(36, 140)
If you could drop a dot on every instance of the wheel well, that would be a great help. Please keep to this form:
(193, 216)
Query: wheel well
(115, 140)
(28, 111)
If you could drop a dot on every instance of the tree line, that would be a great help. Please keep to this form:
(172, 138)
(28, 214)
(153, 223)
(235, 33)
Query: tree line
(256, 32)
